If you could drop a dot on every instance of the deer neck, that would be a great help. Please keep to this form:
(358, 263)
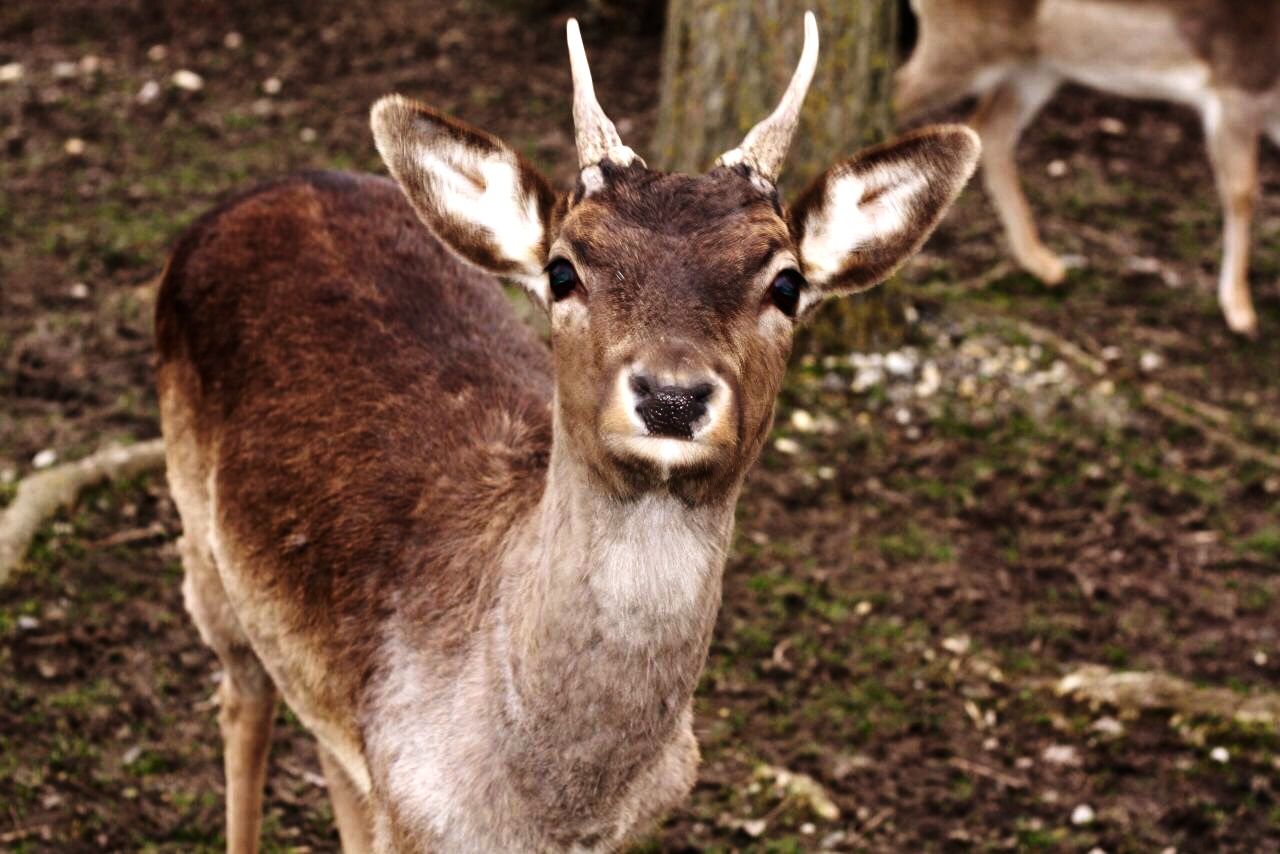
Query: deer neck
(604, 626)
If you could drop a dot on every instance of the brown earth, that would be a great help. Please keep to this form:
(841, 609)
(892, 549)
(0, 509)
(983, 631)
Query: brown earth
(902, 588)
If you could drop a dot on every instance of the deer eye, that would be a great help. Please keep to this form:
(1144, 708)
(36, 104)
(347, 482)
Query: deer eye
(785, 291)
(562, 278)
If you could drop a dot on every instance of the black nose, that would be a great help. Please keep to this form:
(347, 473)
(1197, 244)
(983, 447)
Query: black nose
(670, 410)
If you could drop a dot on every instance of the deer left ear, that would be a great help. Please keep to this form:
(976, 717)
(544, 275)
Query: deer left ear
(475, 193)
(860, 220)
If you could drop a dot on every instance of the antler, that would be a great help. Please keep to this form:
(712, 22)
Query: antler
(596, 136)
(765, 146)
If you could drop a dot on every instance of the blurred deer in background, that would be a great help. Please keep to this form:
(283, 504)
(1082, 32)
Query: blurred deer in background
(484, 573)
(1221, 57)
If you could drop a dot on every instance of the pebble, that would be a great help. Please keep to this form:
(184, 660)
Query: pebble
(1260, 658)
(45, 458)
(148, 93)
(755, 827)
(11, 72)
(64, 70)
(902, 415)
(1108, 726)
(307, 135)
(157, 53)
(90, 65)
(28, 623)
(930, 380)
(1060, 754)
(1112, 126)
(1056, 168)
(802, 421)
(1220, 755)
(233, 41)
(957, 645)
(272, 85)
(899, 364)
(1150, 361)
(787, 446)
(867, 378)
(187, 80)
(74, 147)
(1082, 814)
(78, 291)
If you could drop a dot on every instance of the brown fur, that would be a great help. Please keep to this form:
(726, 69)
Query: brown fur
(406, 515)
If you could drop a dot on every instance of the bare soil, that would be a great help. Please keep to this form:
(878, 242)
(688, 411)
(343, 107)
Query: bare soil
(916, 562)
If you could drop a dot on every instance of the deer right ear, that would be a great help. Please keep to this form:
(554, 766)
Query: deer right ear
(864, 217)
(477, 195)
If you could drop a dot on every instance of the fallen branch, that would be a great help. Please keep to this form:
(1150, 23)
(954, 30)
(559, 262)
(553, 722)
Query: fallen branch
(1135, 691)
(1176, 408)
(40, 495)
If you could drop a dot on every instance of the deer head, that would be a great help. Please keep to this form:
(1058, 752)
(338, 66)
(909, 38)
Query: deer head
(672, 298)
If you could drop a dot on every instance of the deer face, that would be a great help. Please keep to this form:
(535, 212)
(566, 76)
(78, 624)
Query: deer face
(672, 298)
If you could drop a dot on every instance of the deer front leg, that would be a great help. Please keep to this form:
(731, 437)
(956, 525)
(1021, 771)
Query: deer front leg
(248, 700)
(1001, 116)
(1232, 135)
(349, 811)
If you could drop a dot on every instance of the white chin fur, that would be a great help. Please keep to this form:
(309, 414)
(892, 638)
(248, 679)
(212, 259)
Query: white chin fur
(663, 452)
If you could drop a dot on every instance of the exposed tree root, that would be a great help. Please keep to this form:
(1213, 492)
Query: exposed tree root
(40, 495)
(1136, 691)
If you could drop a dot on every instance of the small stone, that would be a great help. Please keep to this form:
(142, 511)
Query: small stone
(11, 72)
(148, 93)
(863, 608)
(90, 65)
(45, 458)
(899, 364)
(808, 828)
(902, 415)
(1083, 814)
(755, 827)
(930, 380)
(1150, 361)
(131, 755)
(262, 107)
(1108, 726)
(1096, 850)
(787, 446)
(272, 85)
(1260, 658)
(1111, 353)
(233, 41)
(78, 291)
(826, 473)
(75, 147)
(1056, 168)
(157, 53)
(1022, 763)
(28, 623)
(1060, 754)
(187, 80)
(1111, 126)
(64, 70)
(307, 135)
(1220, 755)
(868, 377)
(958, 645)
(802, 421)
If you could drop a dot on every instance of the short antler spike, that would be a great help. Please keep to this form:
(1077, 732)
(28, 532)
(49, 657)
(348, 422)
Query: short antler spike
(597, 138)
(764, 148)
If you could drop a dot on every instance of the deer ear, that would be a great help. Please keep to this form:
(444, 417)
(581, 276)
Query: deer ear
(474, 193)
(864, 217)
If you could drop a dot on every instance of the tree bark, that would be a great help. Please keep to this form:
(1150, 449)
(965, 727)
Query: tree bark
(726, 63)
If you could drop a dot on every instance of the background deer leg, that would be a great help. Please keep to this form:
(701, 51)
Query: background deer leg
(1231, 131)
(248, 709)
(1002, 114)
(348, 806)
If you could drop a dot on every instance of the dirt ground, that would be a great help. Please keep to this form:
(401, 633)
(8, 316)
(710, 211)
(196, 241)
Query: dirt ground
(935, 536)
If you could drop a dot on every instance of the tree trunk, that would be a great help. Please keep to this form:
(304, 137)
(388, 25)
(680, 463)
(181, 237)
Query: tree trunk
(726, 63)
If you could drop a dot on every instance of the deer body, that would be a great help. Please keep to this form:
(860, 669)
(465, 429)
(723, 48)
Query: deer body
(1219, 57)
(485, 574)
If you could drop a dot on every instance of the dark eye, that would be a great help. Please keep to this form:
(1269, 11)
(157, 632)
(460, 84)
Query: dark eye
(562, 277)
(785, 291)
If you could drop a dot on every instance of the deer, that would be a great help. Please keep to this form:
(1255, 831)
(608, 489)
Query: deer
(1219, 57)
(483, 571)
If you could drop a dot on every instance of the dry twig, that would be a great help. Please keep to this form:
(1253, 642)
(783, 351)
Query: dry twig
(40, 495)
